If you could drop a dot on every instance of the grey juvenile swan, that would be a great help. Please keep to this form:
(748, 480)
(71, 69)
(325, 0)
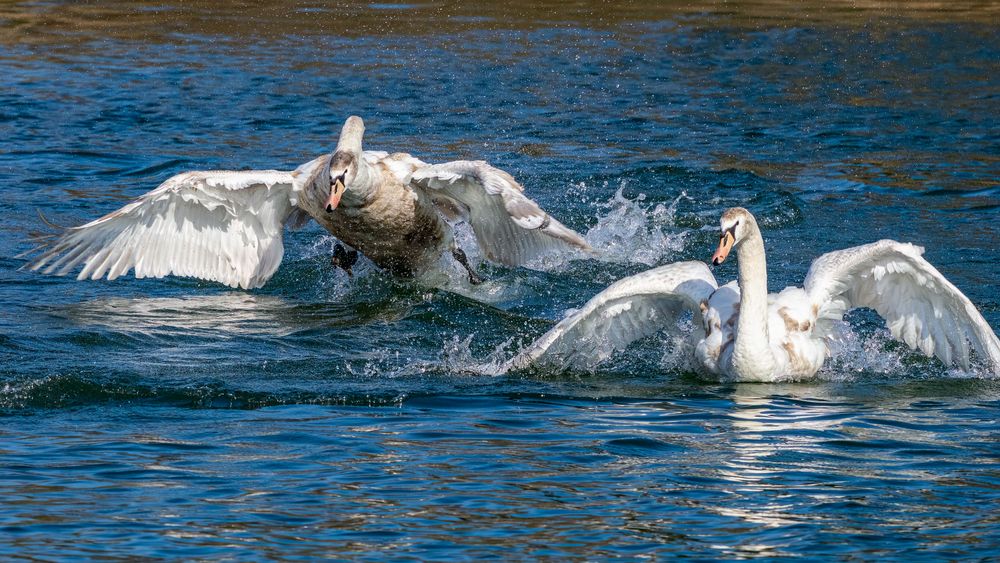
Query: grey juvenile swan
(226, 226)
(742, 333)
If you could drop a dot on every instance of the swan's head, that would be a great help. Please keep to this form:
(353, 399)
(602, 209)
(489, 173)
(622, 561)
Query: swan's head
(343, 166)
(736, 223)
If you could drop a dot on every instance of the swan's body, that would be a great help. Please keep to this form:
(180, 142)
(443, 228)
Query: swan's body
(742, 333)
(227, 226)
(393, 223)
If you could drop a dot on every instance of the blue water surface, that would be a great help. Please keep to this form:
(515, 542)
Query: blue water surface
(358, 418)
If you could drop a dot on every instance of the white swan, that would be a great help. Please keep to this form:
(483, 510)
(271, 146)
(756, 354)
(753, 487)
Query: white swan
(742, 333)
(226, 226)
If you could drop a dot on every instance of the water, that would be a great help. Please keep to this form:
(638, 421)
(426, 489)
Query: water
(357, 418)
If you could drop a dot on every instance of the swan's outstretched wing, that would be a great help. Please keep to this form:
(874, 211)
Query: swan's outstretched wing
(920, 306)
(628, 310)
(220, 226)
(510, 228)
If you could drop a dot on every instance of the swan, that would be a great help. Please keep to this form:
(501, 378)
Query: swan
(742, 333)
(226, 226)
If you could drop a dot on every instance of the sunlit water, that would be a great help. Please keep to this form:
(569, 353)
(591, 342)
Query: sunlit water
(358, 417)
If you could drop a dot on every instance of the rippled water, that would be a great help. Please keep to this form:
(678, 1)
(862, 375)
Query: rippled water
(356, 418)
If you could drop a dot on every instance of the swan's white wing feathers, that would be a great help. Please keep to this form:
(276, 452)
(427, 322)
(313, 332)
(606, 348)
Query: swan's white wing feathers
(510, 228)
(222, 226)
(629, 309)
(920, 306)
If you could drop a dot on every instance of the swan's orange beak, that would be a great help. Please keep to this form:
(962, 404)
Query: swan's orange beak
(725, 245)
(336, 192)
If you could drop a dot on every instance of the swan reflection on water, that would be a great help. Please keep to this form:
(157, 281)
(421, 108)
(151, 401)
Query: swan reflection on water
(228, 314)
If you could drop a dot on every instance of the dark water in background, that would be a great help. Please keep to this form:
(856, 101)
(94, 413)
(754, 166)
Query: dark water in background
(327, 416)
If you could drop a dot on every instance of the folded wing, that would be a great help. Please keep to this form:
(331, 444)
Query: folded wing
(920, 306)
(630, 309)
(220, 226)
(510, 228)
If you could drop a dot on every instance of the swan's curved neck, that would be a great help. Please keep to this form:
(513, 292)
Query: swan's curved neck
(752, 354)
(362, 188)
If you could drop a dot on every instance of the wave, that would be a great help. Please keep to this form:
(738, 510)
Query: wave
(78, 390)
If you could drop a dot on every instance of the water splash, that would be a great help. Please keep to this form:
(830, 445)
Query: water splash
(679, 348)
(451, 276)
(17, 393)
(334, 280)
(862, 347)
(380, 363)
(627, 231)
(457, 357)
(633, 231)
(858, 353)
